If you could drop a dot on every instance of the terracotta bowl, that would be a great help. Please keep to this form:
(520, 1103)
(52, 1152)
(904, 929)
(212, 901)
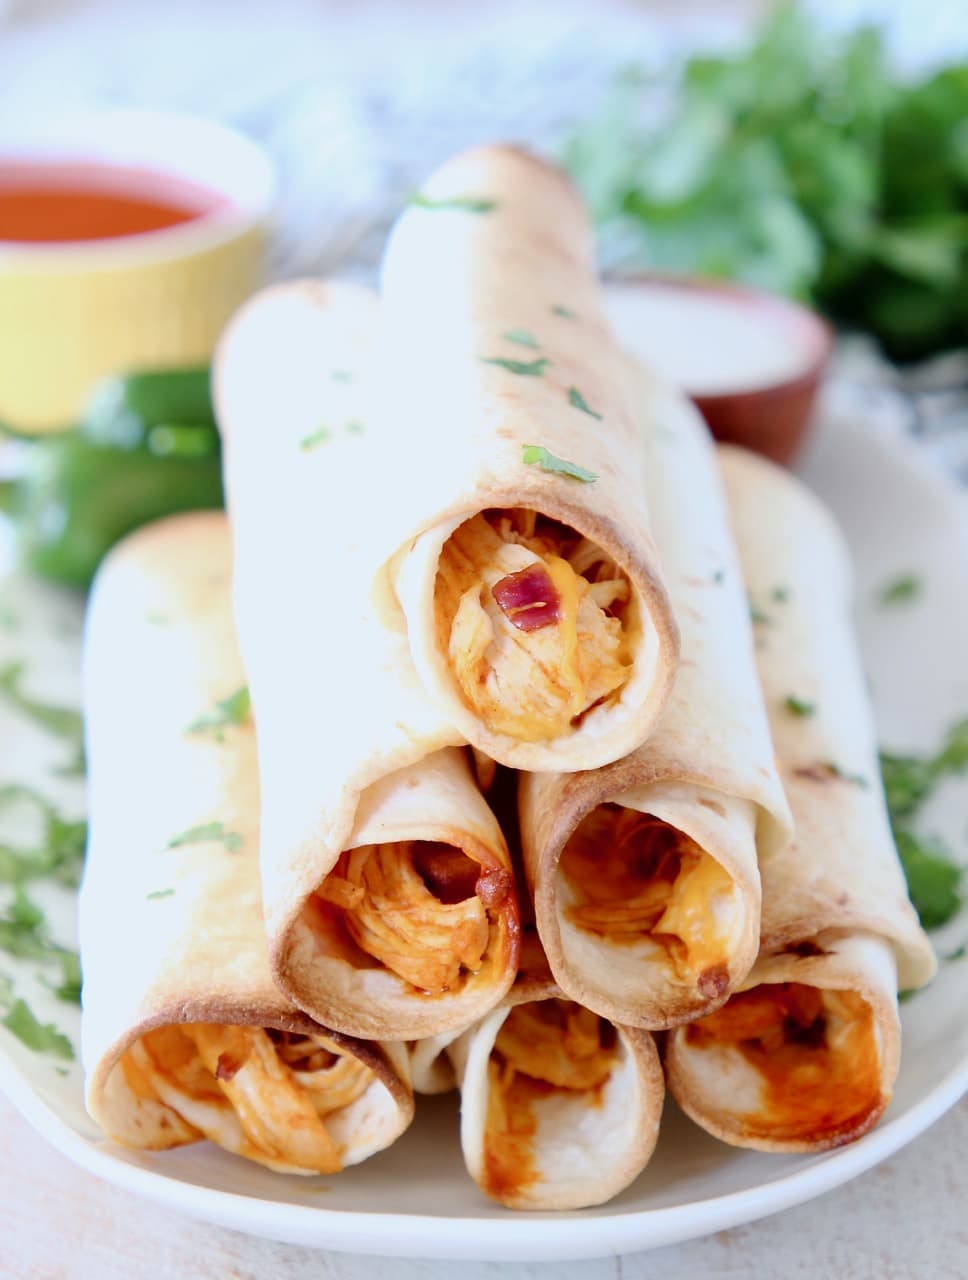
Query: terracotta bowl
(751, 361)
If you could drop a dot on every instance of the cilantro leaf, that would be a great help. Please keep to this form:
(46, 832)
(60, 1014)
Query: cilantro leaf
(317, 437)
(901, 590)
(798, 706)
(536, 455)
(523, 368)
(205, 831)
(469, 204)
(23, 934)
(155, 894)
(59, 853)
(61, 722)
(566, 313)
(578, 401)
(934, 881)
(233, 710)
(42, 1037)
(522, 338)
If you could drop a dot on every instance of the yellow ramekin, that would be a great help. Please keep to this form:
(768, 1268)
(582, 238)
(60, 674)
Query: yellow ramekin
(70, 313)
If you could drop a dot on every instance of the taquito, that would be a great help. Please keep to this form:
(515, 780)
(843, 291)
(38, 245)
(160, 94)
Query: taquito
(805, 1056)
(185, 1035)
(644, 873)
(535, 607)
(390, 903)
(560, 1107)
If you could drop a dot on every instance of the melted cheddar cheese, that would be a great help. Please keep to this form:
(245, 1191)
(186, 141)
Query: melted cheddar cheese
(532, 685)
(388, 904)
(260, 1094)
(631, 876)
(816, 1053)
(545, 1048)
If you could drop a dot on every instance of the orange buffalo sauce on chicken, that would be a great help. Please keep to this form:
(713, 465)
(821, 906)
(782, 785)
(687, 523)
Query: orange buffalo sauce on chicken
(817, 1054)
(631, 876)
(546, 1048)
(534, 621)
(45, 203)
(261, 1093)
(424, 910)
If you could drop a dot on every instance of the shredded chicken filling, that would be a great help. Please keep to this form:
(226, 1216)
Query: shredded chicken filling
(260, 1094)
(531, 684)
(816, 1052)
(421, 909)
(543, 1048)
(631, 875)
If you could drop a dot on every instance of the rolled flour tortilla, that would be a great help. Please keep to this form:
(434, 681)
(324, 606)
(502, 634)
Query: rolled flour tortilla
(644, 873)
(806, 1055)
(560, 1108)
(389, 898)
(535, 607)
(185, 1035)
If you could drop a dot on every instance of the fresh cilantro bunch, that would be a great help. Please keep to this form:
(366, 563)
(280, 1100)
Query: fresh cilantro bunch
(803, 166)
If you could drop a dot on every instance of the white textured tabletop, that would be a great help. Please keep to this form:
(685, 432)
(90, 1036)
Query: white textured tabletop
(357, 101)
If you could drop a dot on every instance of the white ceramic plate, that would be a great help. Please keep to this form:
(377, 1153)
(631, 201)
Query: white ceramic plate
(416, 1199)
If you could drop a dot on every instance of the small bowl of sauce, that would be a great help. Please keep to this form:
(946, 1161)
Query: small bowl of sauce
(127, 239)
(752, 362)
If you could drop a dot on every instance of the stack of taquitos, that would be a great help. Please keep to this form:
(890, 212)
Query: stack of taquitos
(455, 512)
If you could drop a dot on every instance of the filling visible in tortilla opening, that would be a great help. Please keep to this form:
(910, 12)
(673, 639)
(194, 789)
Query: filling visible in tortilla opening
(816, 1052)
(544, 1050)
(263, 1094)
(630, 876)
(423, 910)
(535, 621)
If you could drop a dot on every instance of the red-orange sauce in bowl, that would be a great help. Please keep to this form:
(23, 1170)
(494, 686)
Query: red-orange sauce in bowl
(61, 203)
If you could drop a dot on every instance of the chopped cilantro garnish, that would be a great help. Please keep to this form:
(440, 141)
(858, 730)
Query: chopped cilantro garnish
(536, 455)
(719, 577)
(319, 436)
(205, 831)
(828, 771)
(156, 619)
(23, 934)
(523, 368)
(59, 851)
(566, 313)
(780, 595)
(934, 879)
(231, 710)
(522, 338)
(900, 590)
(959, 953)
(354, 427)
(159, 893)
(757, 616)
(798, 707)
(469, 204)
(340, 375)
(42, 1037)
(578, 401)
(61, 722)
